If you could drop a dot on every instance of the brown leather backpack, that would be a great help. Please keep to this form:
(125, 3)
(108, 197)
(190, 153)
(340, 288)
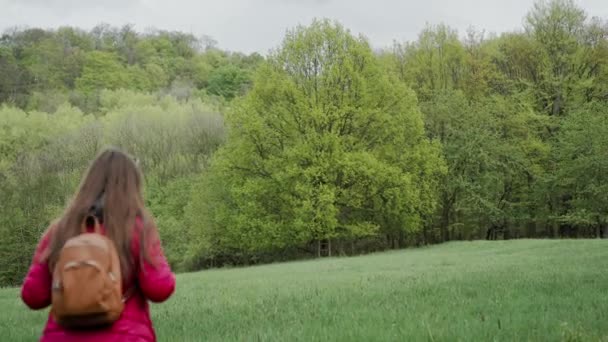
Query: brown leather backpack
(87, 284)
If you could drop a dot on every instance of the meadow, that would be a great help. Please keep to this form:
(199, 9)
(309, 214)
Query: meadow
(519, 290)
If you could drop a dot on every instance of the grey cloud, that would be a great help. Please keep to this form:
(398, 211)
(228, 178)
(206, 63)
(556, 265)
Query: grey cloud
(302, 2)
(259, 25)
(72, 3)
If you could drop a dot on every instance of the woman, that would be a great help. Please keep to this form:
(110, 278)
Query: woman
(112, 191)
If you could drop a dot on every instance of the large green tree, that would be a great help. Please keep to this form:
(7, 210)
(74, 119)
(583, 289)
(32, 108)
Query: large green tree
(581, 180)
(326, 145)
(572, 54)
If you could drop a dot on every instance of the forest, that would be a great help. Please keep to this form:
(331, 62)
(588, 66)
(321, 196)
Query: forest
(323, 147)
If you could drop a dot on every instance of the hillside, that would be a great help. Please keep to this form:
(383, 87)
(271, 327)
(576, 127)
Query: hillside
(331, 143)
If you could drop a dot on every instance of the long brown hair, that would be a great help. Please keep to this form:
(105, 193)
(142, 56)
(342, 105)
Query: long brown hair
(114, 181)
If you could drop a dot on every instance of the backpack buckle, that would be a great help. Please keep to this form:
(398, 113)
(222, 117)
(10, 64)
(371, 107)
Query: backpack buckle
(56, 285)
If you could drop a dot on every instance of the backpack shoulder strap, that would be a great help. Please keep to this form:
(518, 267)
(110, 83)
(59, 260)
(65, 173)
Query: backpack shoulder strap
(129, 293)
(90, 220)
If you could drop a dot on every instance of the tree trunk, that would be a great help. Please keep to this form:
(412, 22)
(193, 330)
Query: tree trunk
(555, 228)
(506, 234)
(530, 229)
(556, 105)
(319, 248)
(341, 251)
(328, 247)
(445, 223)
(425, 237)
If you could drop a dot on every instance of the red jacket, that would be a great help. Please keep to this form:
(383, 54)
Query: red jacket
(154, 283)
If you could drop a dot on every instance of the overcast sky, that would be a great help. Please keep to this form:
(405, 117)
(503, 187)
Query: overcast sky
(258, 25)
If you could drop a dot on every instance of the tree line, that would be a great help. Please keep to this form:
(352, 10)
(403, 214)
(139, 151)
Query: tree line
(41, 69)
(323, 147)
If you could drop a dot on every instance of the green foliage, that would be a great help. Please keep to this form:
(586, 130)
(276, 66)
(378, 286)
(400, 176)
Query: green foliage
(434, 62)
(497, 106)
(329, 147)
(228, 81)
(43, 156)
(324, 146)
(581, 179)
(568, 47)
(78, 64)
(102, 70)
(13, 80)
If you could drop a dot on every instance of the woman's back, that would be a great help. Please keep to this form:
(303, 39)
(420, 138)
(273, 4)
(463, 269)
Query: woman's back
(153, 282)
(113, 184)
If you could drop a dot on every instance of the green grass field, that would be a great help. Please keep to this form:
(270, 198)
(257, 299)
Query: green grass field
(526, 290)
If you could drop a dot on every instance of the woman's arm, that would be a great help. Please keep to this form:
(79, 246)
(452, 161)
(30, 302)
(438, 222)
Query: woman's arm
(36, 288)
(155, 278)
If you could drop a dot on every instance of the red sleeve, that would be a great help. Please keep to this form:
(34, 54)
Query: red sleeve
(36, 288)
(155, 278)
